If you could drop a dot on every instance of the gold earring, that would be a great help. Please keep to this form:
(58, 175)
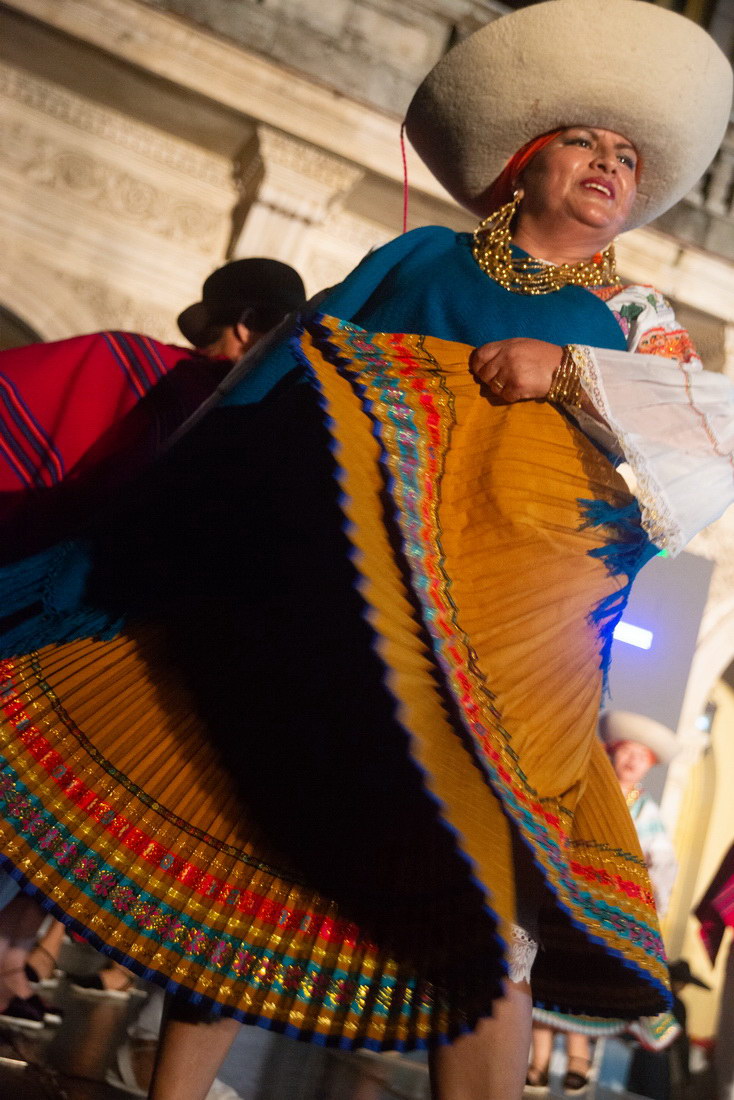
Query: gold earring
(499, 221)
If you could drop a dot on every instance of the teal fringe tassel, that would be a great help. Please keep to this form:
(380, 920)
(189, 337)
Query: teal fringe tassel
(627, 550)
(43, 601)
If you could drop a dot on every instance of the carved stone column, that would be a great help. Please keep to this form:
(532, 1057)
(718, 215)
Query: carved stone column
(292, 208)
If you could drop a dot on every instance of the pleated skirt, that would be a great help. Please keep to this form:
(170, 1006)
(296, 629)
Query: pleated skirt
(349, 731)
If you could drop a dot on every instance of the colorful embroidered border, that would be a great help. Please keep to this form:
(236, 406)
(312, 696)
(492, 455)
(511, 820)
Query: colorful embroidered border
(12, 686)
(676, 344)
(193, 941)
(653, 1032)
(120, 832)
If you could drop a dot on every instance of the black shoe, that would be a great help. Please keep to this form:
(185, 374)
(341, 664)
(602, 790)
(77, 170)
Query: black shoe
(536, 1081)
(575, 1082)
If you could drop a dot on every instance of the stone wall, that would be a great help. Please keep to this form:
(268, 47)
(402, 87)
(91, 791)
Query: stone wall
(105, 222)
(721, 25)
(376, 51)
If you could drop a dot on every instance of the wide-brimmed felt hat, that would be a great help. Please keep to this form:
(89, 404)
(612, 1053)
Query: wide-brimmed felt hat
(680, 971)
(255, 283)
(631, 67)
(623, 725)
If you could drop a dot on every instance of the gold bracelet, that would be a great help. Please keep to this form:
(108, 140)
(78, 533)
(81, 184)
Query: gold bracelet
(566, 386)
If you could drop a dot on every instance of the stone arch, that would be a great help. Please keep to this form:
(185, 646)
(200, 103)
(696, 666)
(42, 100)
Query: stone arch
(714, 653)
(39, 300)
(14, 332)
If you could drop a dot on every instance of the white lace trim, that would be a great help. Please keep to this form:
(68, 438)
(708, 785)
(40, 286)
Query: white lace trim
(658, 518)
(521, 955)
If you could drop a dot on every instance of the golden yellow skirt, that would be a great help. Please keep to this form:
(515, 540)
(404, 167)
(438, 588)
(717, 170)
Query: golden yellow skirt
(489, 599)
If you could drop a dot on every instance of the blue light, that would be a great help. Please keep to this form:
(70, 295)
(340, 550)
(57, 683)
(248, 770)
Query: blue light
(633, 635)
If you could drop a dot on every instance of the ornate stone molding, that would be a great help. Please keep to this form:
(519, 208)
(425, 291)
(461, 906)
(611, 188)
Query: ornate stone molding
(246, 82)
(111, 308)
(359, 233)
(299, 180)
(54, 102)
(115, 171)
(291, 207)
(32, 291)
(43, 163)
(58, 303)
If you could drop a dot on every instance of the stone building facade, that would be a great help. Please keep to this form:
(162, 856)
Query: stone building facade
(147, 141)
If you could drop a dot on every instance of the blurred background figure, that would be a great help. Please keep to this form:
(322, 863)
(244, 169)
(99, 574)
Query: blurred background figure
(715, 912)
(679, 1059)
(635, 744)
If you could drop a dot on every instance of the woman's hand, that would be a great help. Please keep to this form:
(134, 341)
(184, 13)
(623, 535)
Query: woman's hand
(516, 370)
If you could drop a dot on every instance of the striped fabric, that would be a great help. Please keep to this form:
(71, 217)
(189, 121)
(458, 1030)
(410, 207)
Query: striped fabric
(79, 415)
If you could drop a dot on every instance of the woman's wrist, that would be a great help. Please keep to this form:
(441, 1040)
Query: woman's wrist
(566, 388)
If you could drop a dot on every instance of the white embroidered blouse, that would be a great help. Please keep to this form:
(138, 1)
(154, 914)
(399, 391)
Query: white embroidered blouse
(670, 421)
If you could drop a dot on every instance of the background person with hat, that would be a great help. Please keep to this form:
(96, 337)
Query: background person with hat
(240, 302)
(82, 414)
(635, 744)
(381, 578)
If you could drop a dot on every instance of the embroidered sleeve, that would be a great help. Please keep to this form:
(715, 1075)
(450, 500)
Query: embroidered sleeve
(670, 421)
(650, 326)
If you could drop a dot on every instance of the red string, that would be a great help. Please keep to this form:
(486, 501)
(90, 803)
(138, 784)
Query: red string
(405, 178)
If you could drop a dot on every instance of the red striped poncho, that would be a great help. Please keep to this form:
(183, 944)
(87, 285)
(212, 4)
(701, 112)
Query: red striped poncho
(78, 416)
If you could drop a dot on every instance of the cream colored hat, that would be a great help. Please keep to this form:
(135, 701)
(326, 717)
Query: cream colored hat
(623, 725)
(644, 72)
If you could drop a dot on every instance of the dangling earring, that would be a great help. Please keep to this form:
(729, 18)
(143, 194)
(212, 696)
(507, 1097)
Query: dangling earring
(499, 222)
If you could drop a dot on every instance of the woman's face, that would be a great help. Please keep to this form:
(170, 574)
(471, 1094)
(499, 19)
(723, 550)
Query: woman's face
(586, 175)
(631, 762)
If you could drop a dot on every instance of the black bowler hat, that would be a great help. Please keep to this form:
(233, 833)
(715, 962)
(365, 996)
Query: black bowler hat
(680, 971)
(268, 289)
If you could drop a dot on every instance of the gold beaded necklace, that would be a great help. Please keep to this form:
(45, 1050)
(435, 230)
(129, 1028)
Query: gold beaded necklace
(492, 251)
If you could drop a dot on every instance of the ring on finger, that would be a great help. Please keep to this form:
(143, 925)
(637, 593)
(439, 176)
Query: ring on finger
(496, 384)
